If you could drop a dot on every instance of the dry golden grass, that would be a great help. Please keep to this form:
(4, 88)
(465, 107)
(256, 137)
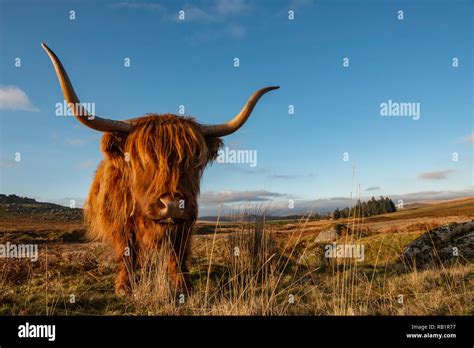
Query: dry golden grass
(266, 277)
(240, 269)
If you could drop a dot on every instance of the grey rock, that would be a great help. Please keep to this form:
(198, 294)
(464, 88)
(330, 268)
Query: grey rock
(445, 245)
(328, 235)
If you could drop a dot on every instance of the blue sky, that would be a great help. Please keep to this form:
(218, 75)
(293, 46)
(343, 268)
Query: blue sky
(190, 63)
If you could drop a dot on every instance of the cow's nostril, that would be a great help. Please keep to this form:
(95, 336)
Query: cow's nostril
(159, 205)
(165, 205)
(168, 206)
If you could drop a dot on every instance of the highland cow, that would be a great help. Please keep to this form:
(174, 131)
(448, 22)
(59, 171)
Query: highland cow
(145, 191)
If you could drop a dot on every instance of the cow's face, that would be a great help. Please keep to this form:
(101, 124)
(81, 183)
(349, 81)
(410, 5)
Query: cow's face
(162, 162)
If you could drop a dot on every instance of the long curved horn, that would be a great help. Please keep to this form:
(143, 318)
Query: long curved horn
(91, 121)
(220, 130)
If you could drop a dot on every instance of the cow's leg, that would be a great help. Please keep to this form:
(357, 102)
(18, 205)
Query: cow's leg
(126, 256)
(177, 265)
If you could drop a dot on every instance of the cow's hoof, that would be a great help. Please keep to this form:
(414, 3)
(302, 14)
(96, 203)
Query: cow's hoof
(122, 290)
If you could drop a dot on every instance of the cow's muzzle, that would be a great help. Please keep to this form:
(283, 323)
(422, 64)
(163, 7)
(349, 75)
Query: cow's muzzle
(168, 210)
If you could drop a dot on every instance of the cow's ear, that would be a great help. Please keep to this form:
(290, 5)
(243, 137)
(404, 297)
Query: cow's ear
(213, 145)
(112, 146)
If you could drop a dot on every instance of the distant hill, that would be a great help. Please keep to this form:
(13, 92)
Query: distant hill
(454, 207)
(253, 217)
(13, 206)
(14, 199)
(19, 206)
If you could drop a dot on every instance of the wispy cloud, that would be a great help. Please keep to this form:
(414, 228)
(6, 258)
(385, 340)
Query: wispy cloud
(231, 7)
(7, 164)
(139, 6)
(278, 203)
(216, 11)
(236, 31)
(203, 36)
(82, 141)
(281, 177)
(14, 98)
(436, 175)
(219, 12)
(212, 197)
(432, 195)
(329, 204)
(469, 139)
(297, 4)
(243, 169)
(260, 171)
(76, 141)
(196, 14)
(85, 164)
(213, 11)
(373, 188)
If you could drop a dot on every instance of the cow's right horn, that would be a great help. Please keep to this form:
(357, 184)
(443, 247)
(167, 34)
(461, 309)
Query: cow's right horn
(220, 130)
(91, 121)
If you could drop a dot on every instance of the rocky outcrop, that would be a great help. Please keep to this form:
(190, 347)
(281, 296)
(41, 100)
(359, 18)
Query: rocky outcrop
(445, 245)
(328, 235)
(14, 199)
(13, 206)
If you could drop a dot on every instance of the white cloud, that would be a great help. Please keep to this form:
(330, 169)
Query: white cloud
(13, 98)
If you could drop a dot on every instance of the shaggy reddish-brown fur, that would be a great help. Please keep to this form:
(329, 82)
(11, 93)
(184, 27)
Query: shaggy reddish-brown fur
(165, 154)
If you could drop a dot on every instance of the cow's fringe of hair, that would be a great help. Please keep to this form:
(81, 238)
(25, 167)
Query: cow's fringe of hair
(175, 147)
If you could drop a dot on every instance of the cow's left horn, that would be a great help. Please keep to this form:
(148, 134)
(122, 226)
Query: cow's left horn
(220, 130)
(91, 121)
